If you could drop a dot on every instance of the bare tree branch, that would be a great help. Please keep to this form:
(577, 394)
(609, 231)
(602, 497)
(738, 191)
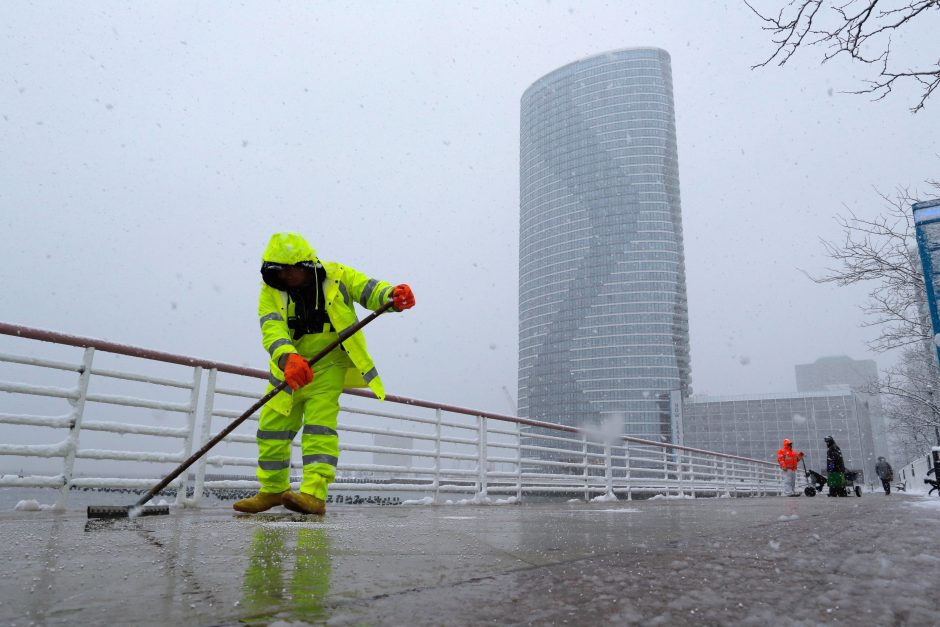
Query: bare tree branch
(911, 394)
(851, 28)
(881, 252)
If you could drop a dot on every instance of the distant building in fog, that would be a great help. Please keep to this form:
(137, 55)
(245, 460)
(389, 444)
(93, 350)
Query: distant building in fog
(828, 372)
(756, 425)
(861, 376)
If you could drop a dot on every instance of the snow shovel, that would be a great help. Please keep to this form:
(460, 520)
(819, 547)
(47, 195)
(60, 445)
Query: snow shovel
(138, 509)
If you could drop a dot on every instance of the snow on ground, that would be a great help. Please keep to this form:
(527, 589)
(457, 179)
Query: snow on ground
(479, 499)
(931, 502)
(31, 505)
(428, 500)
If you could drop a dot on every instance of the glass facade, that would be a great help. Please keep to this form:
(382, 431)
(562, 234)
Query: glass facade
(755, 426)
(828, 373)
(603, 318)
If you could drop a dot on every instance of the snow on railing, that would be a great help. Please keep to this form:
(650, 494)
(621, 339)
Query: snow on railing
(406, 446)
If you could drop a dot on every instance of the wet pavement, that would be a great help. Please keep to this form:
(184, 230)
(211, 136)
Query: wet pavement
(751, 561)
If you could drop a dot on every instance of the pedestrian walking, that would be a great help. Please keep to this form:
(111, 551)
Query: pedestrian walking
(789, 460)
(886, 473)
(304, 304)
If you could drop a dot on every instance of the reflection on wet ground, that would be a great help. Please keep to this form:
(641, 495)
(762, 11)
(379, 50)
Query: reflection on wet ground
(704, 561)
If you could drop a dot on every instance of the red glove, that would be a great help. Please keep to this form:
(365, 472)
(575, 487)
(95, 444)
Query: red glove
(297, 371)
(801, 454)
(402, 297)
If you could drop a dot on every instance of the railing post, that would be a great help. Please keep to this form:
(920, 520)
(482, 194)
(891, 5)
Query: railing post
(715, 477)
(191, 427)
(724, 476)
(734, 476)
(608, 469)
(679, 489)
(626, 462)
(584, 471)
(481, 461)
(437, 454)
(518, 461)
(208, 406)
(75, 428)
(688, 481)
(666, 471)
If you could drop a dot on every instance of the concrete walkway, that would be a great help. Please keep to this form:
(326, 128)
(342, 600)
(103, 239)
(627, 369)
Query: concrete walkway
(752, 561)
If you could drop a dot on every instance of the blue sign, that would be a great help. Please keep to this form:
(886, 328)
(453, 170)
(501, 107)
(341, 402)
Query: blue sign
(927, 229)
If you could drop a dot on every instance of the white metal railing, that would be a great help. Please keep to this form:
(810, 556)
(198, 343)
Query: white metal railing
(404, 445)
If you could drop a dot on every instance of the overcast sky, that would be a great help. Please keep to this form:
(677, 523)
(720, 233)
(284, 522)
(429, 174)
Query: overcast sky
(148, 151)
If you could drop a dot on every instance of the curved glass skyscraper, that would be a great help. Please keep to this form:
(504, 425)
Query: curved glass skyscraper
(603, 320)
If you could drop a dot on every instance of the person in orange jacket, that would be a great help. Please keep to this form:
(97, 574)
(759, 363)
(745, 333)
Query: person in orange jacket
(789, 460)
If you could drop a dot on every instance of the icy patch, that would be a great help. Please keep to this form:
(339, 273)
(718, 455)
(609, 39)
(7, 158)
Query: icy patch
(931, 503)
(605, 498)
(428, 500)
(573, 501)
(774, 545)
(923, 558)
(791, 517)
(625, 510)
(670, 496)
(481, 499)
(30, 505)
(458, 517)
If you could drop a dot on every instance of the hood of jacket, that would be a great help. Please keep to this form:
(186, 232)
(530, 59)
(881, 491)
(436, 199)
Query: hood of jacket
(288, 249)
(283, 250)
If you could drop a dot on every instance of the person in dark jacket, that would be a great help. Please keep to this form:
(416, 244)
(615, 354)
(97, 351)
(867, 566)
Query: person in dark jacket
(835, 467)
(885, 473)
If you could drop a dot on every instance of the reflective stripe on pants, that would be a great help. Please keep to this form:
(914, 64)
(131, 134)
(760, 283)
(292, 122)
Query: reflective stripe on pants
(314, 411)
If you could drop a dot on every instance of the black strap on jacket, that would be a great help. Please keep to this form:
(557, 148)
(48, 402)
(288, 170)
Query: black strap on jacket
(310, 315)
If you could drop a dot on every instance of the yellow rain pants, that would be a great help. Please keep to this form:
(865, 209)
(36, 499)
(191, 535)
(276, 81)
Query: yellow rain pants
(313, 411)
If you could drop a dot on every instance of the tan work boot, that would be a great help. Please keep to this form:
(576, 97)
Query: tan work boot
(261, 502)
(303, 503)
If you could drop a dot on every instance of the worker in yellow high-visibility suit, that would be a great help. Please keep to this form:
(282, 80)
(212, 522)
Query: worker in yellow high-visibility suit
(304, 305)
